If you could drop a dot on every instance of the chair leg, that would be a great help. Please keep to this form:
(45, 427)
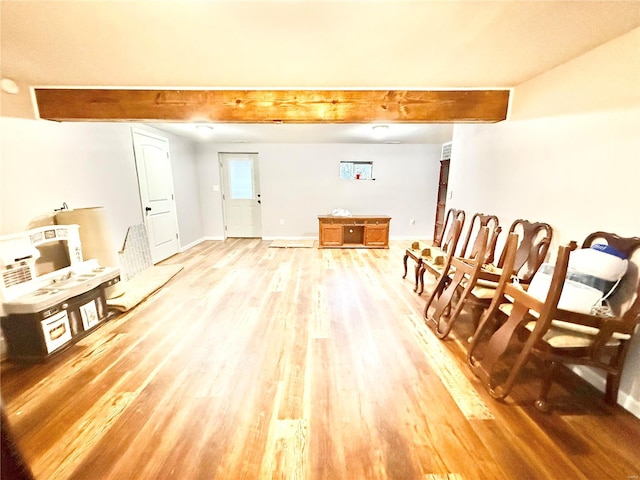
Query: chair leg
(613, 377)
(612, 387)
(420, 278)
(404, 261)
(418, 287)
(549, 370)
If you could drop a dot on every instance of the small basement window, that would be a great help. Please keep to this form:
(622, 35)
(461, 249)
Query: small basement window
(356, 170)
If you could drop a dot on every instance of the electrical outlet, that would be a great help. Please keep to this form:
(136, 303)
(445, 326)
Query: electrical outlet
(282, 221)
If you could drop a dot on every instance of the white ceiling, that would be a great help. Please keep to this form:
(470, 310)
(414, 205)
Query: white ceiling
(301, 44)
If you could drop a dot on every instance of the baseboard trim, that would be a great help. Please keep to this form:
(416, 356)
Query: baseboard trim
(193, 244)
(412, 238)
(625, 400)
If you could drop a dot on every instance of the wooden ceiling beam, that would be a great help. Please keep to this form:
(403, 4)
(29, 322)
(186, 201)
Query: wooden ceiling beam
(269, 106)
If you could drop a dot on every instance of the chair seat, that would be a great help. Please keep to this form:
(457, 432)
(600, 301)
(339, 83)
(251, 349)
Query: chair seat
(568, 335)
(485, 289)
(483, 293)
(436, 264)
(565, 334)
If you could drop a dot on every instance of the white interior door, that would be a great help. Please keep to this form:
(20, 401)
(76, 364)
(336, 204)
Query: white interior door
(241, 194)
(155, 180)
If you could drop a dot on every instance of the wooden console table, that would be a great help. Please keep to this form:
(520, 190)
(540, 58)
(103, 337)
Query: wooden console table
(358, 231)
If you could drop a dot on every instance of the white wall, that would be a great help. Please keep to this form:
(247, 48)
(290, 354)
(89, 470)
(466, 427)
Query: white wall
(565, 158)
(88, 164)
(85, 164)
(301, 181)
(47, 163)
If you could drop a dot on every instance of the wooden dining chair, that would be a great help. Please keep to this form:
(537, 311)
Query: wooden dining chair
(438, 250)
(557, 336)
(599, 341)
(533, 240)
(459, 272)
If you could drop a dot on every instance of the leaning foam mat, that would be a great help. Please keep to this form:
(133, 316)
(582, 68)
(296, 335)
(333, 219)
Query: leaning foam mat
(135, 255)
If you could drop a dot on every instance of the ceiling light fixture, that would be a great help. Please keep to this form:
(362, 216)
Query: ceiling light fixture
(204, 130)
(380, 130)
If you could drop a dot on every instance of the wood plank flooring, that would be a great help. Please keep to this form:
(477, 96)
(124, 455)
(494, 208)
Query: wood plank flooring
(269, 363)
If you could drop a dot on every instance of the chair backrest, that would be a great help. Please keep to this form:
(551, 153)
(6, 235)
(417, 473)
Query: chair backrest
(453, 236)
(478, 221)
(508, 258)
(534, 241)
(452, 215)
(625, 300)
(479, 248)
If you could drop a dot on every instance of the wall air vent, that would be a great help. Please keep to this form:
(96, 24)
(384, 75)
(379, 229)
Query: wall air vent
(446, 151)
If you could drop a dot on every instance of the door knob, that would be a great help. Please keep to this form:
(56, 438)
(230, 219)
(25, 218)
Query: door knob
(147, 209)
(260, 201)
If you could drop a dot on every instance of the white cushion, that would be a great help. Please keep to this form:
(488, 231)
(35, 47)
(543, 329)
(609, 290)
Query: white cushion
(599, 264)
(575, 297)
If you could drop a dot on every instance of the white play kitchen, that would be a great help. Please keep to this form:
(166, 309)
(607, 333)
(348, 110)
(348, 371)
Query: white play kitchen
(42, 312)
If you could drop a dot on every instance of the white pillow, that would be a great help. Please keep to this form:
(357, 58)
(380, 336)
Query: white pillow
(576, 296)
(598, 264)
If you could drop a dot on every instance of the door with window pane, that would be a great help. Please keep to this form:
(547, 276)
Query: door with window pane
(241, 194)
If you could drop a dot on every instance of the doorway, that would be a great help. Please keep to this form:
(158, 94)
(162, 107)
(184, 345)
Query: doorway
(155, 183)
(443, 185)
(241, 199)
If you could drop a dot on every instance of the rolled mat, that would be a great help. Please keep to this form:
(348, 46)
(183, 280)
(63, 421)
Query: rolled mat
(142, 285)
(95, 237)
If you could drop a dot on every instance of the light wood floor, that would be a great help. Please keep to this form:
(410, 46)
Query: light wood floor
(298, 363)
